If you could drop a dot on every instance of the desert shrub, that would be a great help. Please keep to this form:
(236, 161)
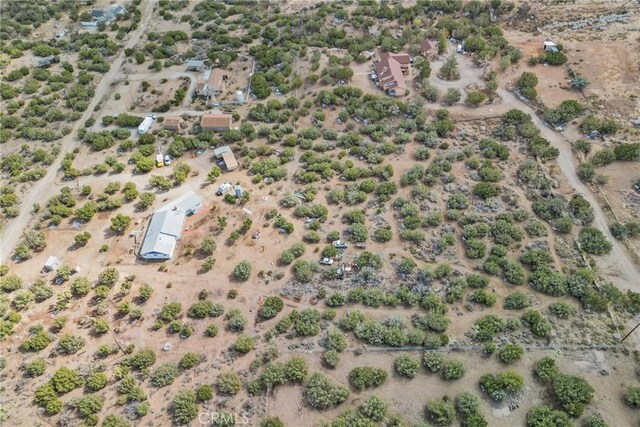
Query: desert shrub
(573, 393)
(236, 320)
(164, 375)
(270, 308)
(64, 380)
(594, 420)
(143, 359)
(70, 344)
(331, 358)
(433, 361)
(499, 386)
(244, 343)
(336, 299)
(545, 416)
(242, 271)
(228, 383)
(35, 368)
(510, 353)
(96, 381)
(631, 396)
(440, 411)
(517, 301)
(184, 407)
(452, 369)
(540, 327)
(296, 370)
(321, 393)
(594, 242)
(545, 369)
(467, 403)
(336, 340)
(189, 360)
(479, 296)
(307, 323)
(374, 408)
(562, 310)
(365, 377)
(406, 366)
(487, 327)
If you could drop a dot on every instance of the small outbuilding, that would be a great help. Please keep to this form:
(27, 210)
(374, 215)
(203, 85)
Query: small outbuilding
(216, 122)
(426, 47)
(51, 264)
(172, 123)
(230, 161)
(549, 46)
(195, 65)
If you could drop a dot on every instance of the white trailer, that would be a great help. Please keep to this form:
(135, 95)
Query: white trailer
(145, 125)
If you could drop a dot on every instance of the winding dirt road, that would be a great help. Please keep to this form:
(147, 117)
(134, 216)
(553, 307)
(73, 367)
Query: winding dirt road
(43, 189)
(618, 265)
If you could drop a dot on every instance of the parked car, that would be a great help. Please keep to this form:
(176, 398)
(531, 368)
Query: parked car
(340, 244)
(326, 261)
(167, 160)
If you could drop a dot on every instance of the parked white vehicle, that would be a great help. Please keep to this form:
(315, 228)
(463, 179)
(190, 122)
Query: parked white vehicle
(326, 261)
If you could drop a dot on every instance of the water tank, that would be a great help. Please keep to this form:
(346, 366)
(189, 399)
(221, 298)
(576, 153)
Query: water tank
(240, 97)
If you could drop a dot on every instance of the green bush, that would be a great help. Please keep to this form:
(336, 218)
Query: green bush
(242, 271)
(331, 358)
(70, 344)
(143, 359)
(96, 381)
(517, 301)
(204, 393)
(594, 242)
(244, 343)
(594, 420)
(544, 416)
(320, 393)
(540, 327)
(164, 375)
(270, 308)
(510, 353)
(406, 366)
(64, 380)
(433, 361)
(189, 360)
(452, 369)
(374, 408)
(632, 396)
(573, 393)
(467, 403)
(35, 368)
(212, 330)
(361, 378)
(545, 369)
(184, 407)
(228, 383)
(499, 386)
(562, 310)
(440, 411)
(296, 370)
(236, 320)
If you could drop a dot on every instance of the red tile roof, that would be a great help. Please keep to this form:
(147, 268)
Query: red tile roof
(215, 121)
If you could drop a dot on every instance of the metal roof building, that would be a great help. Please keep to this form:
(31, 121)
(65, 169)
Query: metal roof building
(165, 228)
(189, 203)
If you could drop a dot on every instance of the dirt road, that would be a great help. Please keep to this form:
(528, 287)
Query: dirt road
(618, 265)
(46, 187)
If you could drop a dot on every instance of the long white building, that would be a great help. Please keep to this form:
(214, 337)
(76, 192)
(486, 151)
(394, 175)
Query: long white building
(165, 227)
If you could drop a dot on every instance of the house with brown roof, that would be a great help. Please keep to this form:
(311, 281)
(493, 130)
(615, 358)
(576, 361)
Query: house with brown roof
(426, 47)
(172, 123)
(215, 122)
(401, 58)
(390, 76)
(214, 85)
